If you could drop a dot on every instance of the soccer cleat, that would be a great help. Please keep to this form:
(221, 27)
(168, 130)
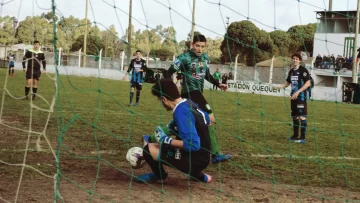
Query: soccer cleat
(136, 104)
(220, 158)
(293, 138)
(207, 178)
(301, 141)
(129, 104)
(149, 177)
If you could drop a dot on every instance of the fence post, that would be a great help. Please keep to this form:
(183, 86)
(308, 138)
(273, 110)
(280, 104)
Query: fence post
(100, 59)
(122, 60)
(59, 62)
(79, 58)
(147, 60)
(271, 70)
(235, 67)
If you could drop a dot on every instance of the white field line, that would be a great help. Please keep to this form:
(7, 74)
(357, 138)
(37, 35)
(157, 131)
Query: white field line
(241, 119)
(303, 157)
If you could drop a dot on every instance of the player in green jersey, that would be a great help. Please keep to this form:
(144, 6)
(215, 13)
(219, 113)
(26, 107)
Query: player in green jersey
(194, 66)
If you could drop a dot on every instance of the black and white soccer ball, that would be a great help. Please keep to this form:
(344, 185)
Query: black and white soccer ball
(135, 157)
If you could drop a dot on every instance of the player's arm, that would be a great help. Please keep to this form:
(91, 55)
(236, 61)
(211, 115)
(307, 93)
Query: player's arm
(185, 123)
(286, 84)
(129, 69)
(174, 67)
(43, 62)
(306, 78)
(26, 56)
(211, 78)
(143, 67)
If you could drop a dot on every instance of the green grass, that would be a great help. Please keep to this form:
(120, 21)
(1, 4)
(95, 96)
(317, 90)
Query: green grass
(91, 115)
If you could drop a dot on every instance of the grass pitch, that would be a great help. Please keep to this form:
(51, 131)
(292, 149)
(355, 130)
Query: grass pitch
(91, 125)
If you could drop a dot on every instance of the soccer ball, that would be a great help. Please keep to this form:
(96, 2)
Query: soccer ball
(135, 157)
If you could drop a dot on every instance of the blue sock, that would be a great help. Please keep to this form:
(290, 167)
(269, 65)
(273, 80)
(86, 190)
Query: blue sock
(303, 129)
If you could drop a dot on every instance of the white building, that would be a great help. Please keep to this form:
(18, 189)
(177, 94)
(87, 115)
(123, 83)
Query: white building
(335, 33)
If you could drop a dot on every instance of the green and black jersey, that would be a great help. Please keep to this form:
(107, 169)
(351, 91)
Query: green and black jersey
(194, 70)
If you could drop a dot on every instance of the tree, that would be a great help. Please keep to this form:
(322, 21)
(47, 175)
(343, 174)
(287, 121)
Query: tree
(7, 31)
(213, 49)
(94, 45)
(49, 16)
(250, 42)
(35, 28)
(302, 37)
(163, 54)
(283, 41)
(110, 37)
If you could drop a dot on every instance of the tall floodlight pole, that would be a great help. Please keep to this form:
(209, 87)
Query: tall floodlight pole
(330, 5)
(129, 34)
(192, 22)
(86, 31)
(354, 68)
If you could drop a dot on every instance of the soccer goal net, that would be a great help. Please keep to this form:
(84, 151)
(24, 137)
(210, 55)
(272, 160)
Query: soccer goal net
(68, 119)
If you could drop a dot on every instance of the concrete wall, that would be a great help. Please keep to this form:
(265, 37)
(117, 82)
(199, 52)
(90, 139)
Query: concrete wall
(244, 86)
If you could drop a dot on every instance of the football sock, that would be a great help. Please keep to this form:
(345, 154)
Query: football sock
(303, 129)
(296, 128)
(214, 145)
(34, 89)
(131, 96)
(27, 90)
(155, 166)
(137, 96)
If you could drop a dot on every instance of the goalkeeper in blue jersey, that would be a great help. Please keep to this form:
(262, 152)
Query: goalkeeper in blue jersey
(137, 66)
(189, 151)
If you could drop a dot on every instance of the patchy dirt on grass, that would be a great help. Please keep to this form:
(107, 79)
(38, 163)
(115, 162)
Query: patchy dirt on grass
(85, 179)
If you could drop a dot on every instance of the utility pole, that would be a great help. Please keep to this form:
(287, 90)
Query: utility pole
(330, 5)
(193, 23)
(129, 34)
(354, 68)
(227, 23)
(86, 31)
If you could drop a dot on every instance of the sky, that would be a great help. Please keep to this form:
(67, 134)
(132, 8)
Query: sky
(210, 17)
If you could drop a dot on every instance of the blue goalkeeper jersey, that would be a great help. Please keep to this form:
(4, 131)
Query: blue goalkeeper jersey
(191, 124)
(137, 65)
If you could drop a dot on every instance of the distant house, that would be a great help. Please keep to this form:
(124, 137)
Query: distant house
(335, 33)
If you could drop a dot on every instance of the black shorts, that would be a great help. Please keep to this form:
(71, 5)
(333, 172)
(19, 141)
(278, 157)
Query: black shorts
(198, 98)
(298, 108)
(136, 85)
(180, 160)
(33, 74)
(11, 66)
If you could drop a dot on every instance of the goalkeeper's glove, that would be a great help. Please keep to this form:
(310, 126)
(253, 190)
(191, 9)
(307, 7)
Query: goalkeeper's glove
(161, 137)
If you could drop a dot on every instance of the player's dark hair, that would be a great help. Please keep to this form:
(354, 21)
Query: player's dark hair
(165, 88)
(199, 38)
(137, 51)
(36, 42)
(296, 55)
